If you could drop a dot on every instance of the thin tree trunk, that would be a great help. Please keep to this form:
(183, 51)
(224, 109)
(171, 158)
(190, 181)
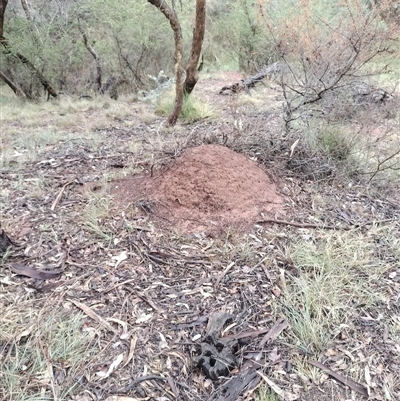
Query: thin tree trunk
(94, 55)
(36, 35)
(19, 56)
(197, 44)
(16, 89)
(170, 14)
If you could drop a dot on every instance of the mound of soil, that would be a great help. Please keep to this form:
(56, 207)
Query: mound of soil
(207, 188)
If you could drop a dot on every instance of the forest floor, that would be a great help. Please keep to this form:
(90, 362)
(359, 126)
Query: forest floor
(137, 246)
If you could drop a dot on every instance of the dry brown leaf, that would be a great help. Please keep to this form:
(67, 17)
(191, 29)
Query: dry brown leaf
(276, 389)
(273, 355)
(131, 350)
(27, 271)
(280, 325)
(89, 312)
(276, 291)
(173, 386)
(144, 318)
(111, 368)
(330, 352)
(120, 322)
(119, 258)
(294, 146)
(57, 200)
(24, 333)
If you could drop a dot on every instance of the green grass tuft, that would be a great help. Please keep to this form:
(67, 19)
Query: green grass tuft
(192, 109)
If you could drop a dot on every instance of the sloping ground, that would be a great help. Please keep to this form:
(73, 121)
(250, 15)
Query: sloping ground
(207, 189)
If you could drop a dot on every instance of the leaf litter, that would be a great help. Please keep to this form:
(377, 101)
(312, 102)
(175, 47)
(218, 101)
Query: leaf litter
(148, 291)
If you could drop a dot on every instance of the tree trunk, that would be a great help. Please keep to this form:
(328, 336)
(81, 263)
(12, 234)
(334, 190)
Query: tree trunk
(3, 5)
(19, 56)
(16, 89)
(170, 14)
(197, 44)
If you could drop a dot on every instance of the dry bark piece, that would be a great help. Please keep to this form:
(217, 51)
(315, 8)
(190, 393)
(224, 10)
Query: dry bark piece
(27, 271)
(346, 381)
(216, 357)
(245, 380)
(217, 322)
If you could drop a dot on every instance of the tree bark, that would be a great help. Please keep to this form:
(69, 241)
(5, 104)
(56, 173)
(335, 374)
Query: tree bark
(197, 44)
(16, 89)
(170, 14)
(19, 56)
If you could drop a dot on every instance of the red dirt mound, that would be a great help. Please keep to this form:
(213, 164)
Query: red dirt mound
(207, 188)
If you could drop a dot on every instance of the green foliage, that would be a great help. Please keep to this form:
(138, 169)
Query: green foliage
(334, 142)
(129, 47)
(266, 394)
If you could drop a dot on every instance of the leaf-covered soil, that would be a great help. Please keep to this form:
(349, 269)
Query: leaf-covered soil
(148, 281)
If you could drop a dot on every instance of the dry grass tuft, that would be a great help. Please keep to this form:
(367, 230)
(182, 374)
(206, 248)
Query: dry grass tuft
(43, 348)
(335, 275)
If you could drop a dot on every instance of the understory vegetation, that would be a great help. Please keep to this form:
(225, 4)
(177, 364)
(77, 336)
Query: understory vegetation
(325, 124)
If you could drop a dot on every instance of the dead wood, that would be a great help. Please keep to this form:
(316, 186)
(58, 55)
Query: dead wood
(5, 241)
(247, 83)
(23, 270)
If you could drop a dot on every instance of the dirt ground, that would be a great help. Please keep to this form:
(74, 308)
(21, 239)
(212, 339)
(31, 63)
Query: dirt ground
(156, 230)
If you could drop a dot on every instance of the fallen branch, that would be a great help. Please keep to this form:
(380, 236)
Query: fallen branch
(247, 83)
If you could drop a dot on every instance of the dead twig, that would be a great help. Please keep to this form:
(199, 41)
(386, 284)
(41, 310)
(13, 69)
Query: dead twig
(321, 226)
(133, 383)
(57, 200)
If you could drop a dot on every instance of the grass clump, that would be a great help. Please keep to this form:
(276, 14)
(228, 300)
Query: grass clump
(336, 273)
(96, 212)
(266, 394)
(43, 347)
(192, 109)
(336, 143)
